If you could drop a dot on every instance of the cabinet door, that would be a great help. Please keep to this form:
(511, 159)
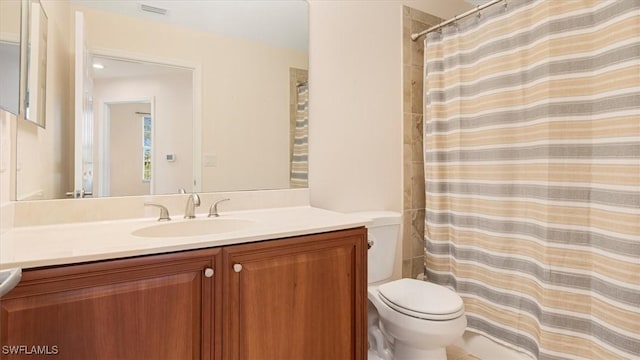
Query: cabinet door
(299, 298)
(153, 307)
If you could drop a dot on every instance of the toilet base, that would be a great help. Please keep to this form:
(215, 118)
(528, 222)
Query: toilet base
(405, 352)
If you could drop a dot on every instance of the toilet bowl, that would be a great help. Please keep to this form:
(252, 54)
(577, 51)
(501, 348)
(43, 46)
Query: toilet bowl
(420, 327)
(408, 319)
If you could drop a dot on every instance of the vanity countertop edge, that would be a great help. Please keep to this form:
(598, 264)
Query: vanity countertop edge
(63, 244)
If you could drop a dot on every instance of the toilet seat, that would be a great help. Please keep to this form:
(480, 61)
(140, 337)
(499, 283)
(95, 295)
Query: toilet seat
(421, 299)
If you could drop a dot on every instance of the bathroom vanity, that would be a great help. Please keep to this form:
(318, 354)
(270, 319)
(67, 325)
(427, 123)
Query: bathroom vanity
(227, 297)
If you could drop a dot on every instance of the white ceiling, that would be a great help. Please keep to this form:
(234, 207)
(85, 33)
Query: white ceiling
(282, 23)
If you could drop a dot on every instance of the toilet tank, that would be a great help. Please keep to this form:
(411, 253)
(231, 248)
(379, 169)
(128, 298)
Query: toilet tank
(384, 232)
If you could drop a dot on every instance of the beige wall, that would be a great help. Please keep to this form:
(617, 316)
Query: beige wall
(42, 153)
(356, 103)
(125, 153)
(9, 53)
(10, 20)
(173, 97)
(443, 9)
(6, 150)
(245, 95)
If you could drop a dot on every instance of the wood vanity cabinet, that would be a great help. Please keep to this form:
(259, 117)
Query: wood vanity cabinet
(151, 307)
(295, 298)
(302, 298)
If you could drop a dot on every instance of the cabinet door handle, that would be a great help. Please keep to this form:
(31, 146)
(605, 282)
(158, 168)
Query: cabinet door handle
(208, 272)
(237, 267)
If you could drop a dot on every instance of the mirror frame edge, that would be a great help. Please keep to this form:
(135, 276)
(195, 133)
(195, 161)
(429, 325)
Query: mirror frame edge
(25, 62)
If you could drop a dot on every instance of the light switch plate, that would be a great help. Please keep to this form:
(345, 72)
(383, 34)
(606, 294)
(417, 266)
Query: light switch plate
(210, 160)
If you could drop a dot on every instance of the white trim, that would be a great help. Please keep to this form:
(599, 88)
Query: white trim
(197, 128)
(154, 163)
(104, 147)
(79, 42)
(10, 38)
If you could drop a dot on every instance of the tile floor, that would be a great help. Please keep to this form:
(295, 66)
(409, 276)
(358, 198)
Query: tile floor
(456, 353)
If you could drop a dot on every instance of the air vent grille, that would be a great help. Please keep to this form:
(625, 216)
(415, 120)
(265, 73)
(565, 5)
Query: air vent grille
(477, 2)
(153, 9)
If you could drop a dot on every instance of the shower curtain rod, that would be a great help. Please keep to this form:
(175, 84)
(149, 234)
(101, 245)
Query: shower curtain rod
(415, 36)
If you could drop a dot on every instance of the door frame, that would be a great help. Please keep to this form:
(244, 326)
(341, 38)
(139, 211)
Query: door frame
(196, 83)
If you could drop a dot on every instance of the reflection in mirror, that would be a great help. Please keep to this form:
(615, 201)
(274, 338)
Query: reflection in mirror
(145, 117)
(10, 55)
(299, 129)
(246, 60)
(37, 38)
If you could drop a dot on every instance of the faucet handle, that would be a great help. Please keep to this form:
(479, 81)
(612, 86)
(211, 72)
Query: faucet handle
(164, 212)
(196, 199)
(213, 210)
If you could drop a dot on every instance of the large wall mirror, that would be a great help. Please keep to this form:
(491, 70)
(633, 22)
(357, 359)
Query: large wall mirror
(169, 95)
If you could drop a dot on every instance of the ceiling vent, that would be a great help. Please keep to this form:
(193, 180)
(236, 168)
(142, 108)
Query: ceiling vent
(153, 9)
(477, 2)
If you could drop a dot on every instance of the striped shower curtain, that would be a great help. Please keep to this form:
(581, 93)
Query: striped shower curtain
(532, 167)
(300, 148)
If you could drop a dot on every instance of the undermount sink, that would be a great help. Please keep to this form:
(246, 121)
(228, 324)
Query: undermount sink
(196, 227)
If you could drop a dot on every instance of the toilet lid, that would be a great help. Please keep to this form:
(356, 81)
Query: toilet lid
(421, 299)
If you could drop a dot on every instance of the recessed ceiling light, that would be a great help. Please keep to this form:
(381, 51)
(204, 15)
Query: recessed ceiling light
(98, 66)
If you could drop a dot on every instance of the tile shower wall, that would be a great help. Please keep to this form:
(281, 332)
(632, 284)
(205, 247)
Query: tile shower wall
(413, 21)
(296, 76)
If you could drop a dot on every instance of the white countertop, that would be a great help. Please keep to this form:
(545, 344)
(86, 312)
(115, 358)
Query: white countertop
(36, 246)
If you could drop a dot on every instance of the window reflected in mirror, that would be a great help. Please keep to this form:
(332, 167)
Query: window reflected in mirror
(146, 148)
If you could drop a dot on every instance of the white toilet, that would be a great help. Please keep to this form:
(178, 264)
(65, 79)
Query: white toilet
(408, 319)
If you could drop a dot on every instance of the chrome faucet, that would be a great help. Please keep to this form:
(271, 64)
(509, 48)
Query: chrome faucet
(213, 210)
(192, 201)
